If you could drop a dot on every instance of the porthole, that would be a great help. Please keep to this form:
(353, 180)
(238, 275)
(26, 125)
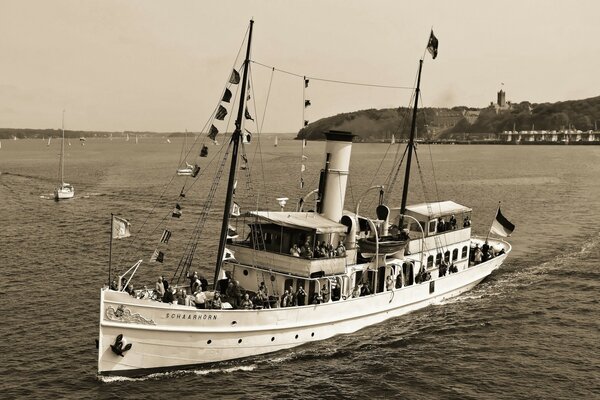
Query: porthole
(273, 339)
(246, 272)
(312, 334)
(233, 322)
(272, 278)
(209, 341)
(239, 341)
(296, 336)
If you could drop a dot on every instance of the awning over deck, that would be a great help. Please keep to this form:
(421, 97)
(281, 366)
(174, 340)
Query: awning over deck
(438, 209)
(300, 220)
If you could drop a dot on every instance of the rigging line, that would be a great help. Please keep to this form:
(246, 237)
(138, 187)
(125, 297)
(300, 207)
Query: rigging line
(437, 193)
(258, 149)
(334, 80)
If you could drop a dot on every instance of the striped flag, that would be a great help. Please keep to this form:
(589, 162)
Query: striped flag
(120, 228)
(501, 226)
(235, 77)
(165, 236)
(177, 211)
(221, 113)
(158, 256)
(432, 45)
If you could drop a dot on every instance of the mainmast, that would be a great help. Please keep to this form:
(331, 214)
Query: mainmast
(235, 140)
(62, 151)
(411, 143)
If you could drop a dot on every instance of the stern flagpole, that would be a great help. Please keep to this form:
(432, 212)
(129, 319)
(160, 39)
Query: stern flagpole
(495, 215)
(110, 248)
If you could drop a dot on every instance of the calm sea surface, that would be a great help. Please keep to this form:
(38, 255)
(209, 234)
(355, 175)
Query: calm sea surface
(531, 330)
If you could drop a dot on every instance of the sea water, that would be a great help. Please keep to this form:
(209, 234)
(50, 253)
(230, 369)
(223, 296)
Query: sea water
(531, 330)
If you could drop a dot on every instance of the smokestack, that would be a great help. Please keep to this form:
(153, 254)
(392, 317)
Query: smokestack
(332, 188)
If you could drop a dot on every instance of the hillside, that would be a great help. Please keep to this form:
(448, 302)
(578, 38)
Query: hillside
(432, 123)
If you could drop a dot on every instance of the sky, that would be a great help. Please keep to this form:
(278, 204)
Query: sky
(162, 65)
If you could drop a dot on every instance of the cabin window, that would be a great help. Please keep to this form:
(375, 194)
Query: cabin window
(432, 226)
(430, 261)
(447, 256)
(454, 254)
(417, 227)
(464, 252)
(431, 286)
(268, 238)
(438, 259)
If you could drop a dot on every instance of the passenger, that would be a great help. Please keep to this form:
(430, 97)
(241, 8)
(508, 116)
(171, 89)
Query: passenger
(196, 285)
(247, 303)
(291, 297)
(318, 251)
(300, 296)
(306, 250)
(389, 283)
(130, 290)
(263, 288)
(285, 299)
(113, 285)
(356, 291)
(294, 251)
(452, 222)
(192, 277)
(477, 257)
(230, 294)
(466, 221)
(453, 268)
(144, 293)
(336, 292)
(398, 281)
(330, 250)
(168, 296)
(238, 292)
(341, 250)
(365, 290)
(325, 293)
(324, 249)
(160, 288)
(165, 283)
(200, 299)
(216, 302)
(443, 268)
(441, 225)
(203, 283)
(182, 298)
(317, 299)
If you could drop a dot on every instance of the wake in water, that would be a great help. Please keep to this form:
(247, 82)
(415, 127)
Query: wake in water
(178, 373)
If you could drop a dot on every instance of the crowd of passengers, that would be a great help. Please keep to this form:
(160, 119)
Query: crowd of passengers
(483, 253)
(451, 224)
(321, 250)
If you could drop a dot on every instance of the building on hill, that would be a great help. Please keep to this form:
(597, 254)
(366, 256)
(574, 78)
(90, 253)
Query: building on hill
(501, 103)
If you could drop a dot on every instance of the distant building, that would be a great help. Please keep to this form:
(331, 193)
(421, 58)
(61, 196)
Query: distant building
(501, 103)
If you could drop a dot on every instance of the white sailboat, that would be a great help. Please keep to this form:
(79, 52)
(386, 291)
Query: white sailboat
(393, 141)
(276, 141)
(63, 190)
(430, 262)
(49, 140)
(188, 169)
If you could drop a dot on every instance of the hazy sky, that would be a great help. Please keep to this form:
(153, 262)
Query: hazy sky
(162, 65)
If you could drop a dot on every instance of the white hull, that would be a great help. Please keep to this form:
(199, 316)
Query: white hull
(64, 192)
(165, 336)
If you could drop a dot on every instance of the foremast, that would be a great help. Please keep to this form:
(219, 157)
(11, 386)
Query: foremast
(235, 141)
(62, 153)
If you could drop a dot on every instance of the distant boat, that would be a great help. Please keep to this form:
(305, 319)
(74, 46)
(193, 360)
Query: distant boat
(136, 139)
(127, 138)
(188, 169)
(64, 190)
(49, 139)
(276, 141)
(393, 140)
(168, 141)
(82, 140)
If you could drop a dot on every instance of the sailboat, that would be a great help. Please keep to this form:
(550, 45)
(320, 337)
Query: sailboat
(338, 291)
(63, 190)
(49, 140)
(188, 169)
(276, 142)
(393, 141)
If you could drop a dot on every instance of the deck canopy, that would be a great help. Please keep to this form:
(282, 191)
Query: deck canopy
(437, 209)
(309, 221)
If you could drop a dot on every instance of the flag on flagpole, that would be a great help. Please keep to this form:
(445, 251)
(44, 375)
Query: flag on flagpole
(432, 45)
(212, 134)
(157, 256)
(235, 77)
(226, 96)
(501, 226)
(165, 236)
(221, 113)
(177, 211)
(120, 228)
